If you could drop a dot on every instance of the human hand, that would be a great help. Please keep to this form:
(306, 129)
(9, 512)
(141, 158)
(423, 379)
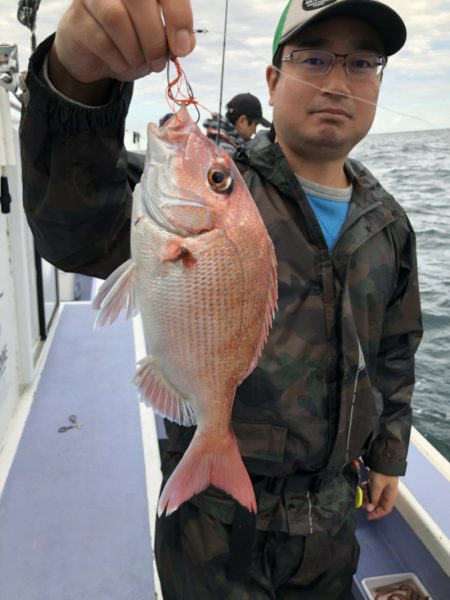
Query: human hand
(383, 494)
(120, 39)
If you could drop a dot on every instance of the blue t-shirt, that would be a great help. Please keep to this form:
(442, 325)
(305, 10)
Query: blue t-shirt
(330, 205)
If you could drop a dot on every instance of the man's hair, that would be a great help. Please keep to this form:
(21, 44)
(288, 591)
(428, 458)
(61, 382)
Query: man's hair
(232, 117)
(276, 61)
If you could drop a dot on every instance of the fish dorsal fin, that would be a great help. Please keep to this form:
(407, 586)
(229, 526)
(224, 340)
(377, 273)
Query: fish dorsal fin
(159, 394)
(271, 307)
(117, 293)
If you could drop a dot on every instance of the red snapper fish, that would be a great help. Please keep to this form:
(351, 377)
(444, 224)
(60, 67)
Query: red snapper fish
(202, 273)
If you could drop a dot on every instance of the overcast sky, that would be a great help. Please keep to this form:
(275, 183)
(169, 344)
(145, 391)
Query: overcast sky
(416, 82)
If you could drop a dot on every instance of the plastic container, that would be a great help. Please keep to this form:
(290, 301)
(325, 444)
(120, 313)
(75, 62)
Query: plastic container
(372, 584)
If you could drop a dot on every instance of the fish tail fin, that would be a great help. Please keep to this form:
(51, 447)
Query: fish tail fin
(208, 461)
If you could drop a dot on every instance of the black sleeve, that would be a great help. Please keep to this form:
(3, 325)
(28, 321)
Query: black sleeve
(77, 176)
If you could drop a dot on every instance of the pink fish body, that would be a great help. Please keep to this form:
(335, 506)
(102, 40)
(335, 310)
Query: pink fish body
(203, 275)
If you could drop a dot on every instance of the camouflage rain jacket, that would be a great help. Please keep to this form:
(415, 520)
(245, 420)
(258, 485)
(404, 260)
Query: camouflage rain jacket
(336, 377)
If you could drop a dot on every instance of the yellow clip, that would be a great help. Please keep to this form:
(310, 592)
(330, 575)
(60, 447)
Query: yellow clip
(359, 497)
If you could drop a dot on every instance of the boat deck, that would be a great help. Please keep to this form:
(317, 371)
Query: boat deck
(75, 513)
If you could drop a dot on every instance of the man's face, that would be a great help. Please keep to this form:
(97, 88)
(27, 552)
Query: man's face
(245, 128)
(316, 123)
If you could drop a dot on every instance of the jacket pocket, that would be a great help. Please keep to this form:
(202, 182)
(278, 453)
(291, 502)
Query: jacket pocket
(262, 441)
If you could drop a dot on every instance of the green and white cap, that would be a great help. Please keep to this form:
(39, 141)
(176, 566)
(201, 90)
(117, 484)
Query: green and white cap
(299, 14)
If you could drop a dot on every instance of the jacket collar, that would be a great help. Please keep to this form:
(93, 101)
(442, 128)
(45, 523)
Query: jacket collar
(267, 158)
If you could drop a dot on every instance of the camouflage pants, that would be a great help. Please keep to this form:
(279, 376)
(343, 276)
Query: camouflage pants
(192, 555)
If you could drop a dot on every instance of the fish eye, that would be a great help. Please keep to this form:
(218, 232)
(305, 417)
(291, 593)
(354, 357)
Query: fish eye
(219, 178)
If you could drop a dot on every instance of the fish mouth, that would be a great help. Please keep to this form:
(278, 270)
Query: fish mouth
(175, 201)
(159, 146)
(160, 212)
(161, 151)
(163, 196)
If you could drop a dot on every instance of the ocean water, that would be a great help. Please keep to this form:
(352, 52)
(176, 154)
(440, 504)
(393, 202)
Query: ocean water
(415, 168)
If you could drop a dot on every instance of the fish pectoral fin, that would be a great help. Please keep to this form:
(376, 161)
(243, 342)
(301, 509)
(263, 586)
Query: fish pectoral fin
(117, 293)
(177, 250)
(160, 395)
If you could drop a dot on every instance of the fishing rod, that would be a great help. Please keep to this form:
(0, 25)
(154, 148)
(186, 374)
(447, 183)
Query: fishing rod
(26, 15)
(9, 82)
(9, 62)
(222, 72)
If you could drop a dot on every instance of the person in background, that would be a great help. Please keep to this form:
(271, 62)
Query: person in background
(244, 114)
(225, 135)
(336, 376)
(244, 111)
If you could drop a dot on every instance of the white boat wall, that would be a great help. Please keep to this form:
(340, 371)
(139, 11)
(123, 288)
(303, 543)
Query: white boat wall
(19, 322)
(30, 288)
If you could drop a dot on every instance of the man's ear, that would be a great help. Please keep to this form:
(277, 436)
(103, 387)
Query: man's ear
(272, 76)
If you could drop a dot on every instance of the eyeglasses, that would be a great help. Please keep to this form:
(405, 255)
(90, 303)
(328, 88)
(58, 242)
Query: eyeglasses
(360, 65)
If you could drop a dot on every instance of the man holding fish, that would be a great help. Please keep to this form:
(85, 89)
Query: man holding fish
(333, 379)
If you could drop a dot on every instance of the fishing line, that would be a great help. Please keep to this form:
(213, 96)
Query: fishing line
(174, 91)
(321, 89)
